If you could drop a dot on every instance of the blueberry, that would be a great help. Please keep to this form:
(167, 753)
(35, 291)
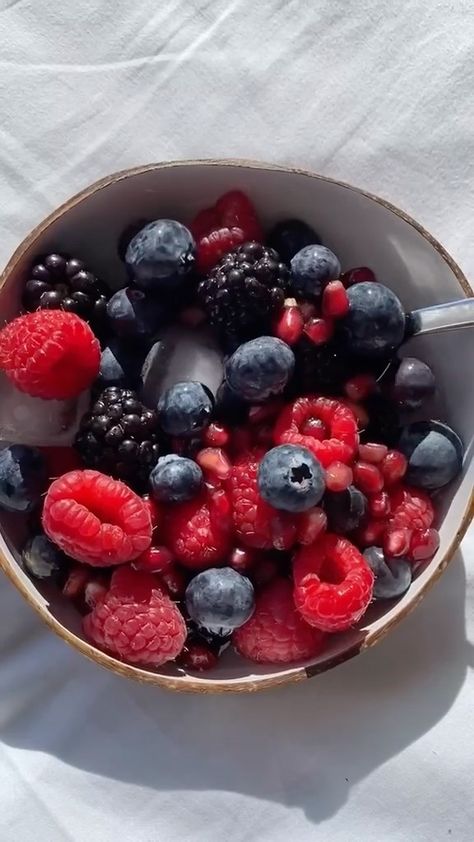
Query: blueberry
(42, 559)
(120, 365)
(175, 479)
(414, 382)
(312, 268)
(290, 236)
(434, 452)
(161, 254)
(345, 510)
(260, 368)
(185, 408)
(375, 323)
(220, 600)
(291, 478)
(133, 315)
(22, 478)
(392, 575)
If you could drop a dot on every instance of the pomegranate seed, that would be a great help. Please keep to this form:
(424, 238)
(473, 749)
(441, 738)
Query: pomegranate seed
(373, 452)
(371, 534)
(315, 428)
(214, 462)
(338, 477)
(308, 310)
(397, 542)
(360, 387)
(242, 559)
(197, 657)
(264, 571)
(394, 467)
(311, 525)
(192, 316)
(379, 504)
(265, 412)
(358, 276)
(358, 410)
(154, 560)
(175, 580)
(219, 508)
(335, 302)
(155, 513)
(76, 581)
(424, 544)
(367, 477)
(95, 591)
(283, 529)
(289, 324)
(216, 435)
(319, 331)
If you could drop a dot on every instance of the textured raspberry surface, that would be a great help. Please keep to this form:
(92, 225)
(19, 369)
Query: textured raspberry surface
(333, 583)
(276, 634)
(216, 244)
(220, 229)
(136, 621)
(96, 519)
(325, 426)
(49, 354)
(198, 533)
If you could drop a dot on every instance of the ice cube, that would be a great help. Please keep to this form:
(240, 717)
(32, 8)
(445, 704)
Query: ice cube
(34, 421)
(181, 353)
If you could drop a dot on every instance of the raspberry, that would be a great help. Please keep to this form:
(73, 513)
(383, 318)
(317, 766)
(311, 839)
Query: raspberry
(340, 425)
(276, 634)
(289, 324)
(256, 523)
(96, 519)
(367, 477)
(136, 621)
(212, 247)
(319, 331)
(198, 532)
(357, 276)
(335, 303)
(49, 354)
(236, 209)
(394, 467)
(333, 583)
(206, 221)
(218, 230)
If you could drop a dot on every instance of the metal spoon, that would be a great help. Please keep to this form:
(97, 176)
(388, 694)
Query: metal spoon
(441, 317)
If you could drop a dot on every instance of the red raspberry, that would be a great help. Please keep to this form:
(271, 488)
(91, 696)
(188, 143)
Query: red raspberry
(367, 477)
(289, 324)
(206, 221)
(394, 467)
(319, 331)
(155, 513)
(333, 583)
(275, 633)
(220, 229)
(215, 245)
(360, 387)
(335, 303)
(358, 276)
(137, 621)
(236, 210)
(341, 437)
(256, 523)
(49, 354)
(411, 508)
(198, 533)
(96, 519)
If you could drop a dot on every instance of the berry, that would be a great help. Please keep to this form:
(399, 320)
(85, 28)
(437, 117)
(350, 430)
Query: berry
(320, 368)
(136, 621)
(414, 383)
(333, 583)
(393, 466)
(58, 282)
(119, 437)
(133, 315)
(289, 323)
(367, 477)
(216, 435)
(259, 369)
(276, 634)
(153, 511)
(120, 365)
(290, 478)
(185, 408)
(434, 452)
(360, 387)
(198, 532)
(23, 477)
(175, 479)
(290, 236)
(375, 323)
(218, 230)
(220, 600)
(357, 276)
(319, 331)
(338, 477)
(214, 246)
(49, 354)
(43, 559)
(154, 560)
(339, 434)
(392, 576)
(161, 255)
(242, 294)
(424, 544)
(411, 508)
(311, 269)
(345, 510)
(197, 657)
(335, 302)
(96, 519)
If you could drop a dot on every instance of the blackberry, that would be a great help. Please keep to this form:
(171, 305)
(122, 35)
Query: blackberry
(319, 368)
(119, 437)
(59, 282)
(244, 291)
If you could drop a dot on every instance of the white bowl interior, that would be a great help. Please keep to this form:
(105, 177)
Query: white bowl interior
(361, 231)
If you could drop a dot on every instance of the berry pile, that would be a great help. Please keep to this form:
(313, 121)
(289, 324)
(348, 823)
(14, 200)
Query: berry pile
(265, 513)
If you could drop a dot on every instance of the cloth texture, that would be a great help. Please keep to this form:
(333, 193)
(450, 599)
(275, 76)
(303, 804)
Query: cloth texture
(377, 93)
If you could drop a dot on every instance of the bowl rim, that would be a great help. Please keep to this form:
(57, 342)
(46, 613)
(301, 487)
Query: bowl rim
(291, 675)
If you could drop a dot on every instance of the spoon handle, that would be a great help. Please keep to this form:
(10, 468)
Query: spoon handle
(441, 317)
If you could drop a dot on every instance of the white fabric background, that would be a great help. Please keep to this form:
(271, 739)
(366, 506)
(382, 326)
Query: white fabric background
(377, 93)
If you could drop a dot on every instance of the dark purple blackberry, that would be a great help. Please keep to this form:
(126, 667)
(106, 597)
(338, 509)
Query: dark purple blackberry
(58, 282)
(319, 368)
(119, 437)
(243, 292)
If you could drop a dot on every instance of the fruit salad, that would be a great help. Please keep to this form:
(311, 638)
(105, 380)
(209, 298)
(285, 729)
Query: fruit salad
(251, 461)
